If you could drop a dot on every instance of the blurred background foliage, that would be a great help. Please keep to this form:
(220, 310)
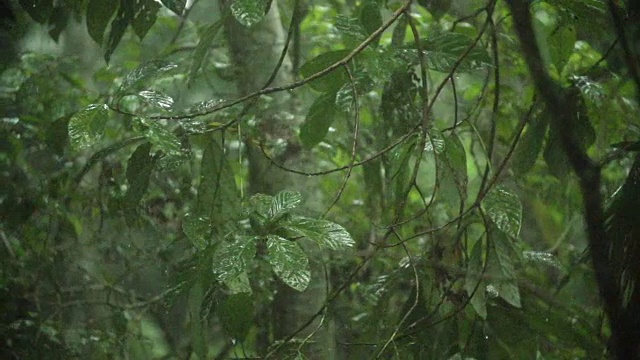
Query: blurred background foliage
(339, 179)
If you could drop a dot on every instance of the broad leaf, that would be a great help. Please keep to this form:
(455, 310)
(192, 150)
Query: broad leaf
(139, 169)
(508, 285)
(156, 99)
(452, 185)
(346, 98)
(204, 44)
(324, 233)
(555, 157)
(160, 136)
(87, 126)
(143, 72)
(435, 142)
(370, 17)
(504, 209)
(239, 284)
(146, 12)
(249, 12)
(198, 230)
(444, 49)
(289, 262)
(39, 10)
(99, 14)
(118, 27)
(530, 145)
(350, 29)
(318, 120)
(236, 314)
(561, 43)
(218, 197)
(58, 21)
(332, 81)
(473, 282)
(283, 202)
(231, 259)
(177, 6)
(542, 257)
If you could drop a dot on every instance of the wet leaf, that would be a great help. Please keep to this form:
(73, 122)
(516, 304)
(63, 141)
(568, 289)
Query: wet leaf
(249, 12)
(318, 120)
(177, 6)
(231, 259)
(204, 44)
(99, 14)
(289, 262)
(236, 314)
(473, 283)
(504, 209)
(198, 230)
(87, 126)
(324, 233)
(332, 81)
(156, 99)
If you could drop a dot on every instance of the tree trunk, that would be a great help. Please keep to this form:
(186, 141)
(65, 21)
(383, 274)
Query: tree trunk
(255, 53)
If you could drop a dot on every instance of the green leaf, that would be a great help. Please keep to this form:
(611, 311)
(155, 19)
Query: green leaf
(87, 126)
(236, 315)
(473, 282)
(117, 30)
(453, 175)
(370, 17)
(204, 44)
(318, 120)
(143, 72)
(239, 284)
(139, 167)
(249, 12)
(156, 99)
(160, 136)
(324, 233)
(261, 205)
(373, 184)
(397, 168)
(282, 203)
(232, 259)
(198, 230)
(345, 98)
(444, 49)
(39, 10)
(542, 257)
(435, 142)
(332, 81)
(554, 155)
(99, 13)
(177, 6)
(561, 44)
(58, 21)
(504, 209)
(350, 29)
(57, 135)
(289, 262)
(145, 17)
(218, 198)
(508, 285)
(542, 30)
(530, 145)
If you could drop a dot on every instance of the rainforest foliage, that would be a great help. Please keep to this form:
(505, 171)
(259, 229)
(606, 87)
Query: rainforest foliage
(327, 179)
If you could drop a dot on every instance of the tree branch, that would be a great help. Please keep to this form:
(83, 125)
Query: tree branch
(563, 112)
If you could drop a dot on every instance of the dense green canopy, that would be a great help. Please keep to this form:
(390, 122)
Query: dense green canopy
(319, 179)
